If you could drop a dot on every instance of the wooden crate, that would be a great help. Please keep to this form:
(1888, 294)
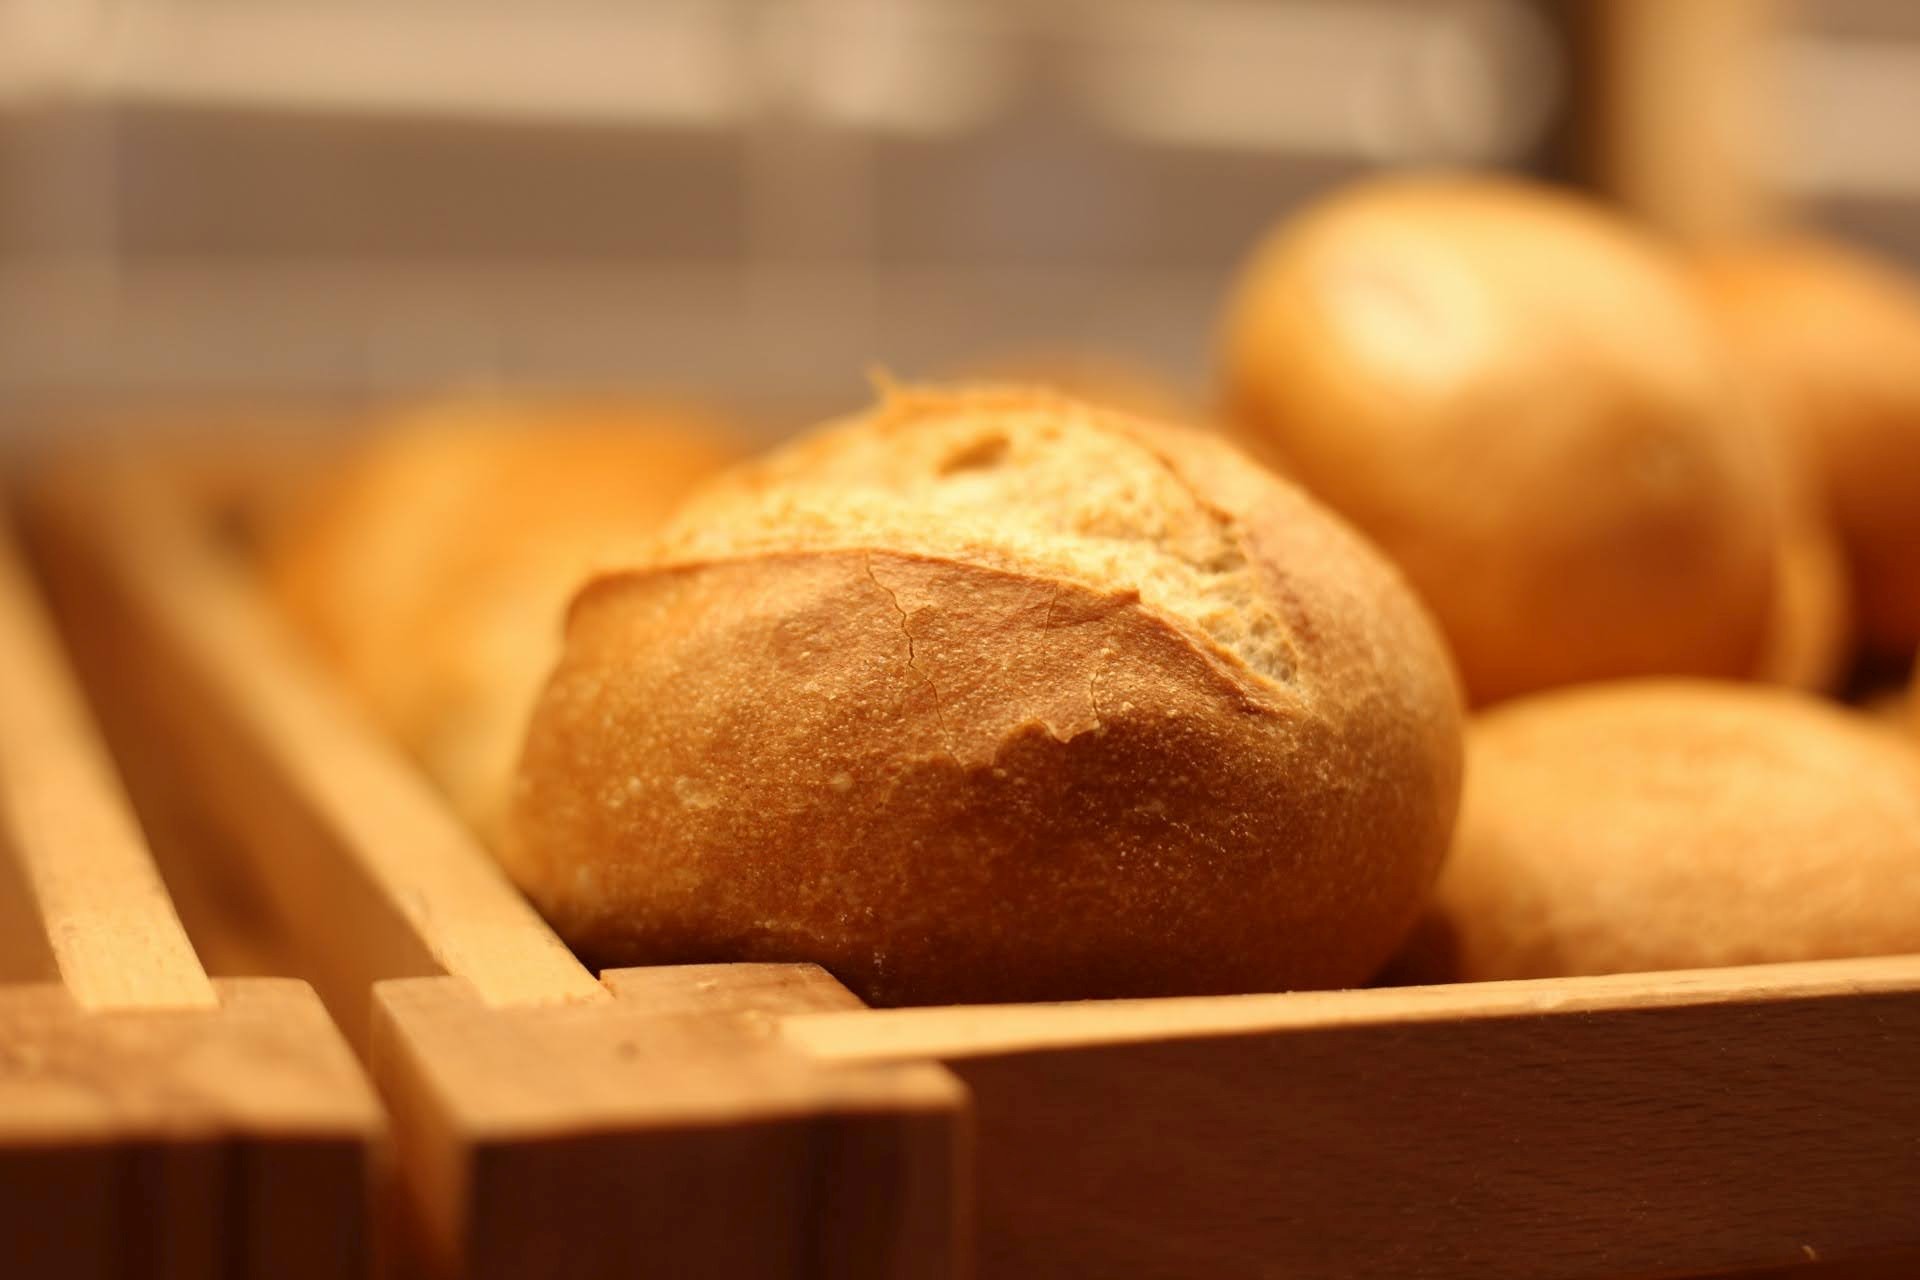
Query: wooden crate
(152, 1122)
(1676, 1124)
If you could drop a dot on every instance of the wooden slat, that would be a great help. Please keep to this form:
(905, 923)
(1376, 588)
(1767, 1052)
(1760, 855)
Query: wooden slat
(104, 912)
(229, 1143)
(1674, 1124)
(152, 1123)
(968, 1031)
(370, 842)
(25, 954)
(677, 1122)
(1687, 114)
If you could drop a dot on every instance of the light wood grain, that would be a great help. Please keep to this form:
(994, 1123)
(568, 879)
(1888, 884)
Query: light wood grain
(358, 835)
(103, 910)
(206, 1144)
(1668, 1125)
(152, 1123)
(874, 1035)
(1685, 123)
(672, 1125)
(25, 953)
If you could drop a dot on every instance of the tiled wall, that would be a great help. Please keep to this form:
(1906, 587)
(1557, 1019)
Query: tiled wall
(760, 199)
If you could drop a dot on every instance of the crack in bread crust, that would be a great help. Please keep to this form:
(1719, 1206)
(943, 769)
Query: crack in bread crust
(906, 632)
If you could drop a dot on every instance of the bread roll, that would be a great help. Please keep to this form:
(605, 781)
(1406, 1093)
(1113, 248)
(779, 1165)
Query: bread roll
(433, 571)
(1889, 708)
(1671, 825)
(1809, 638)
(991, 695)
(1809, 632)
(1519, 397)
(1833, 339)
(1913, 699)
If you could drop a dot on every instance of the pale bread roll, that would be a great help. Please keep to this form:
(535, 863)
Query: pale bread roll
(1520, 398)
(991, 695)
(432, 572)
(1651, 825)
(1833, 340)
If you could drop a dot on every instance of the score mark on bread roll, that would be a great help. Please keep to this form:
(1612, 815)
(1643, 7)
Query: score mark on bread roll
(991, 695)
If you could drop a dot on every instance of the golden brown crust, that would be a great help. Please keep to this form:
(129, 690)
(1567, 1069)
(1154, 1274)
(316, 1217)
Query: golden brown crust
(956, 765)
(1670, 824)
(1833, 340)
(1519, 399)
(432, 571)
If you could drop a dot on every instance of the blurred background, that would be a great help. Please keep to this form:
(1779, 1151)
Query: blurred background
(758, 200)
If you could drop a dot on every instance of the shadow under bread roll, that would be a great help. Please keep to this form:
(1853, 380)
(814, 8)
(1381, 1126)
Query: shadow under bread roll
(432, 571)
(1649, 825)
(988, 694)
(1519, 396)
(1833, 339)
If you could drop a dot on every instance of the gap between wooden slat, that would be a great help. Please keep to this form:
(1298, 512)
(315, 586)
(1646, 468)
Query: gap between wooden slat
(108, 920)
(428, 867)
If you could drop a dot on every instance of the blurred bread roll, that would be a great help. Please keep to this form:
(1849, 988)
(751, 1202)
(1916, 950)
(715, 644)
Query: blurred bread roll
(1675, 824)
(1832, 338)
(1519, 397)
(987, 694)
(1809, 633)
(1809, 638)
(1888, 707)
(432, 571)
(1913, 699)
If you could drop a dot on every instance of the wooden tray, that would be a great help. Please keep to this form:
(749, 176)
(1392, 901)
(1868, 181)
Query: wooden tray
(1653, 1125)
(152, 1122)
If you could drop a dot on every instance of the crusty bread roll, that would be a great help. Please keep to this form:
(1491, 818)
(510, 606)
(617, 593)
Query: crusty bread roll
(433, 571)
(1833, 339)
(1675, 824)
(1521, 399)
(991, 695)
